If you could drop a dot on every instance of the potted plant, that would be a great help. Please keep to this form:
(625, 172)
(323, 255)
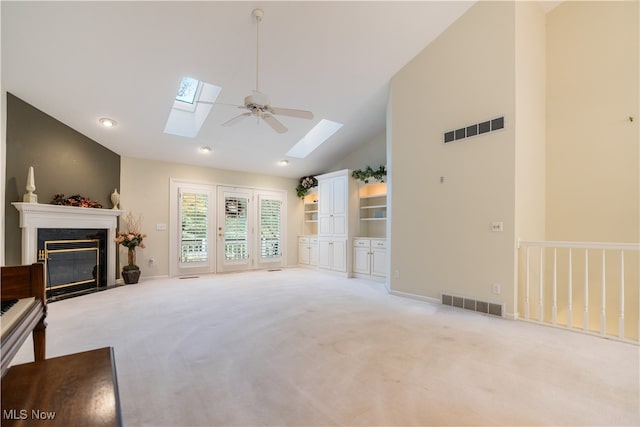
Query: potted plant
(305, 184)
(369, 173)
(131, 238)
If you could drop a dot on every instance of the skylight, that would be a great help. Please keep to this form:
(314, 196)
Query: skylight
(191, 107)
(312, 140)
(188, 89)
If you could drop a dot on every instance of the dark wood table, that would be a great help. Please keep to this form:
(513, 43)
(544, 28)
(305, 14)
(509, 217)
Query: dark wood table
(78, 389)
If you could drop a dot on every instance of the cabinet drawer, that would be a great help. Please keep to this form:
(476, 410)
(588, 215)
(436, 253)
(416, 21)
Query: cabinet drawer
(381, 244)
(303, 240)
(313, 241)
(361, 243)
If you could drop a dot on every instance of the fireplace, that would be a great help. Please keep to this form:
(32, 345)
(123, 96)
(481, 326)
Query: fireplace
(76, 244)
(75, 260)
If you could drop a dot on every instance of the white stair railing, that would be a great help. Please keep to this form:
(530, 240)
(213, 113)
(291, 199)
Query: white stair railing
(556, 277)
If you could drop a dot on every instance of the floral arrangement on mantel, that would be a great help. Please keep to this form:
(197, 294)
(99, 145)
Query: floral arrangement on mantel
(75, 200)
(131, 239)
(368, 173)
(305, 184)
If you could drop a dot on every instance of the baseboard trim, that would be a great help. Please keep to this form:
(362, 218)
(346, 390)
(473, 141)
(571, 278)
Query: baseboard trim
(414, 296)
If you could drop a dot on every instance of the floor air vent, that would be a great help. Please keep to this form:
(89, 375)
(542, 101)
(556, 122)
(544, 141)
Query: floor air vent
(473, 305)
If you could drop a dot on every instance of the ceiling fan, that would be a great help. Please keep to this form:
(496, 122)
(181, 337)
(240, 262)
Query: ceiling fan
(257, 103)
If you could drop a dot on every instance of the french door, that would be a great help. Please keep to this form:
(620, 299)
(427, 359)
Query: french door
(250, 229)
(195, 230)
(223, 229)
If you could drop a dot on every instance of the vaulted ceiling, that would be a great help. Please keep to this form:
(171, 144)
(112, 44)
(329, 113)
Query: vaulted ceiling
(79, 61)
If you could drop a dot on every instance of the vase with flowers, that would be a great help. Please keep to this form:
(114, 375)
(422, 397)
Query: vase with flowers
(131, 239)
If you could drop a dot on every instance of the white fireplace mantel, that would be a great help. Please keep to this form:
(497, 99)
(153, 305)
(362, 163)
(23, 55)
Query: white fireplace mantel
(35, 215)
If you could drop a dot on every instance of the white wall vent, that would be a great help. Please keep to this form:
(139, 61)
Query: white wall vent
(491, 308)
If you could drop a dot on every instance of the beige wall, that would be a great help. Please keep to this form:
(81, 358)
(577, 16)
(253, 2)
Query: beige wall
(440, 232)
(145, 191)
(593, 149)
(593, 181)
(530, 83)
(372, 153)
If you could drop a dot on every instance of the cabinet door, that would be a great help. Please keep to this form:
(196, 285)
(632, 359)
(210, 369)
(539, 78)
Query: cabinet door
(325, 197)
(361, 260)
(379, 262)
(325, 224)
(313, 253)
(339, 255)
(339, 188)
(303, 253)
(324, 254)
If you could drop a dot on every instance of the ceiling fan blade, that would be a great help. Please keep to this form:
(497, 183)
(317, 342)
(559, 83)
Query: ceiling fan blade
(274, 123)
(291, 113)
(236, 119)
(220, 103)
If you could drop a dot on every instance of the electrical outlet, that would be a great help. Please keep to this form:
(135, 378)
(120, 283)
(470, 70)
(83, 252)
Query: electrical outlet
(496, 288)
(396, 274)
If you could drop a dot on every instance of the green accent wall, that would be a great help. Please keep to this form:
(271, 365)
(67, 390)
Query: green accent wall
(64, 161)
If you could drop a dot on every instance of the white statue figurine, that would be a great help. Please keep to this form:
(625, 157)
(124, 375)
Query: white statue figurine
(29, 197)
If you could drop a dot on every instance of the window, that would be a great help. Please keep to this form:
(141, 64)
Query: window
(236, 235)
(188, 89)
(194, 238)
(270, 232)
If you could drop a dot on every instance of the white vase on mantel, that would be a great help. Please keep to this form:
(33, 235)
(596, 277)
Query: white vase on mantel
(115, 199)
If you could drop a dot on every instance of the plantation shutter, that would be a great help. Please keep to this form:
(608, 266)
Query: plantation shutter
(194, 238)
(236, 234)
(270, 228)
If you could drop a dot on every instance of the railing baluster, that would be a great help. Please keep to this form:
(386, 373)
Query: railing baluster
(585, 320)
(570, 308)
(603, 314)
(621, 317)
(555, 287)
(526, 291)
(560, 307)
(540, 286)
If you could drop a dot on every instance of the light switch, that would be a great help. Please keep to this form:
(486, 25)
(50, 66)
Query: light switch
(161, 227)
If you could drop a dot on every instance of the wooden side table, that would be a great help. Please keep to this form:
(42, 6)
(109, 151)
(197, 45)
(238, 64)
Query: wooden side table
(78, 389)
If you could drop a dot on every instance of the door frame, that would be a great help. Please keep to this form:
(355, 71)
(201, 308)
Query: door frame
(174, 237)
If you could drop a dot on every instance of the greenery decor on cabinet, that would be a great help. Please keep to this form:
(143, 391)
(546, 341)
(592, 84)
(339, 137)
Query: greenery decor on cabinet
(131, 239)
(305, 184)
(369, 173)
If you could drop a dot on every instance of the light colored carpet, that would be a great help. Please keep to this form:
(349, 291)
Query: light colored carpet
(298, 347)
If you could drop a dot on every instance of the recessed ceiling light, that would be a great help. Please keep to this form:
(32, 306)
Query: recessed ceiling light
(205, 149)
(283, 162)
(107, 122)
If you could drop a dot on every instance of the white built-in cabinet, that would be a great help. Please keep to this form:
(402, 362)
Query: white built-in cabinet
(332, 254)
(370, 258)
(333, 206)
(337, 220)
(308, 251)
